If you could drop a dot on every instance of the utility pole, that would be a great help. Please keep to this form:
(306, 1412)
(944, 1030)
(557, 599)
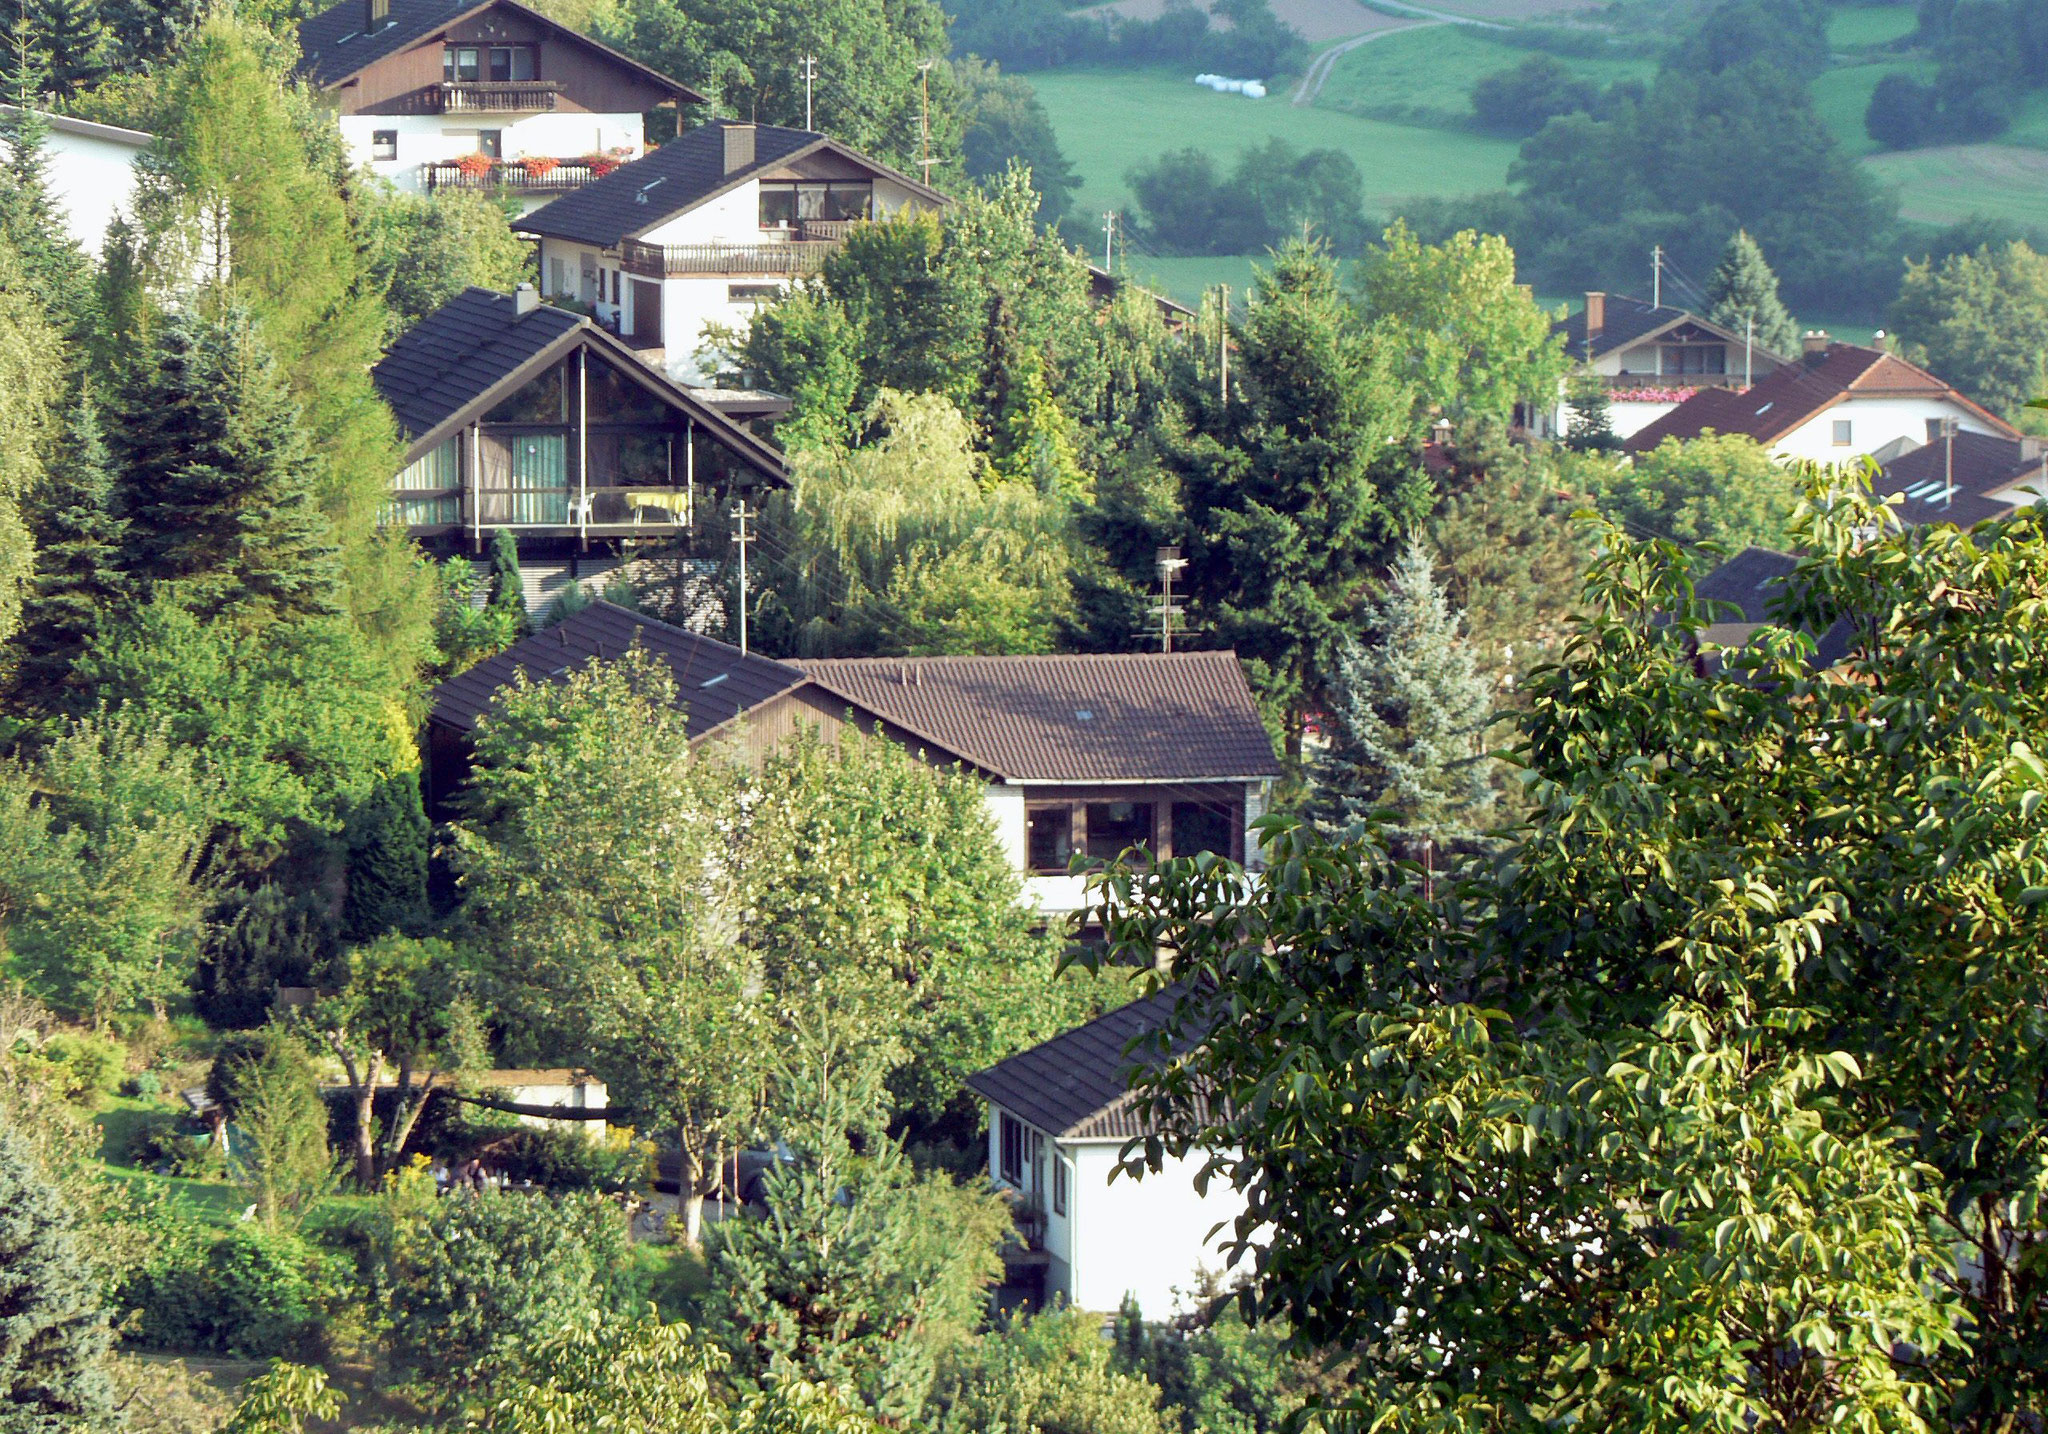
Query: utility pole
(1223, 347)
(1108, 240)
(1657, 277)
(924, 70)
(1749, 350)
(810, 74)
(1948, 462)
(744, 514)
(1170, 563)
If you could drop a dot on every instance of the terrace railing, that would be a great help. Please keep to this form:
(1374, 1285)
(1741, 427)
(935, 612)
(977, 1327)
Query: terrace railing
(508, 174)
(498, 97)
(794, 259)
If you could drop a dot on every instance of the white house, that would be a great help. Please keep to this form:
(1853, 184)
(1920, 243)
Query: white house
(1839, 403)
(479, 94)
(91, 174)
(1651, 358)
(707, 227)
(1059, 1114)
(1087, 755)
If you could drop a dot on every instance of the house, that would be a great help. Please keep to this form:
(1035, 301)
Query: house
(1964, 478)
(708, 226)
(482, 94)
(1840, 402)
(1751, 582)
(520, 415)
(1059, 1115)
(91, 174)
(1087, 755)
(1652, 357)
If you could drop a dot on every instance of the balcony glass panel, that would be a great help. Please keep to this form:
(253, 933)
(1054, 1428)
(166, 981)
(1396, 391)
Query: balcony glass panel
(443, 510)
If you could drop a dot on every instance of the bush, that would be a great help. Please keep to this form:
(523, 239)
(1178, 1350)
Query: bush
(245, 1293)
(83, 1067)
(160, 1142)
(1051, 1373)
(1521, 100)
(560, 1160)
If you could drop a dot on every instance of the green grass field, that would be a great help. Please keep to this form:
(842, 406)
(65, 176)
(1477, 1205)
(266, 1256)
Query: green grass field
(1842, 95)
(1435, 67)
(1939, 186)
(1863, 27)
(1110, 121)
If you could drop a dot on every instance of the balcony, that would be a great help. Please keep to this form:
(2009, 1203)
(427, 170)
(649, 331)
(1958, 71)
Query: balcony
(791, 260)
(496, 97)
(1621, 383)
(616, 511)
(513, 176)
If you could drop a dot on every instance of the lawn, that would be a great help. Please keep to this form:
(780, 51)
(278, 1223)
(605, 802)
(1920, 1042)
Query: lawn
(1435, 68)
(1952, 182)
(1842, 95)
(1863, 27)
(1110, 121)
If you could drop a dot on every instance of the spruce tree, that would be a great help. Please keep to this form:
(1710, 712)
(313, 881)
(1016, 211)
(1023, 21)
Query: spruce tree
(68, 35)
(53, 1330)
(218, 477)
(56, 269)
(1591, 422)
(1744, 291)
(387, 862)
(1407, 712)
(78, 584)
(508, 592)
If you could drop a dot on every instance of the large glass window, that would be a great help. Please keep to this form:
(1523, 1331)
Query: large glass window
(1114, 827)
(615, 398)
(1695, 358)
(1011, 1138)
(511, 62)
(786, 202)
(461, 64)
(1200, 827)
(539, 402)
(1050, 838)
(434, 471)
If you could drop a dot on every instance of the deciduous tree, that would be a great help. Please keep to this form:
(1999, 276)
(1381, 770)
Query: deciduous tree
(1980, 321)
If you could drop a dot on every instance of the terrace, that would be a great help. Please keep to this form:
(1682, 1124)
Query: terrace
(516, 176)
(494, 97)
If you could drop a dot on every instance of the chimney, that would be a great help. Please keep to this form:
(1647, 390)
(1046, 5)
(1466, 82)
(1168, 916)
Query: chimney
(739, 147)
(1596, 312)
(525, 299)
(1813, 345)
(376, 15)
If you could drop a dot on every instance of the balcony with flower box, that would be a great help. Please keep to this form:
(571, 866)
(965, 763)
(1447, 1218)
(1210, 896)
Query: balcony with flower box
(516, 176)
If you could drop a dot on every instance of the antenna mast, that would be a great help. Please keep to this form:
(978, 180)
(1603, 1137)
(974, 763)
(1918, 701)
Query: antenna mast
(1657, 277)
(1108, 240)
(924, 70)
(1170, 563)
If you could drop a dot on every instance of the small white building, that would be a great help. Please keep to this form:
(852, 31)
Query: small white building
(1059, 1116)
(1838, 404)
(91, 174)
(708, 227)
(479, 94)
(1651, 358)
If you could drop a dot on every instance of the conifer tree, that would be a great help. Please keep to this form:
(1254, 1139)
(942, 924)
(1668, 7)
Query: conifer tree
(217, 478)
(68, 36)
(56, 269)
(1591, 422)
(1407, 711)
(27, 391)
(508, 592)
(387, 861)
(78, 583)
(53, 1331)
(1745, 291)
(142, 32)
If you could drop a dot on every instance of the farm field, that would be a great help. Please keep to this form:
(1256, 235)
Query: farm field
(1435, 66)
(1944, 184)
(1110, 121)
(1859, 27)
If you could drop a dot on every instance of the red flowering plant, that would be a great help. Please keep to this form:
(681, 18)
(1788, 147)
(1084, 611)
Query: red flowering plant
(539, 166)
(475, 166)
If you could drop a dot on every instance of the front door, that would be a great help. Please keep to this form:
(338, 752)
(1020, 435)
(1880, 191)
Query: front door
(646, 313)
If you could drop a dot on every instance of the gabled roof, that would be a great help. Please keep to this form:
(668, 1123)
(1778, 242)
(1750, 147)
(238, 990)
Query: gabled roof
(1076, 1085)
(1785, 398)
(333, 46)
(679, 176)
(717, 681)
(1752, 581)
(1957, 481)
(1098, 718)
(462, 360)
(1630, 321)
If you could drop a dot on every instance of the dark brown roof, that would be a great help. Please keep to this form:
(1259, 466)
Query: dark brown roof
(1112, 717)
(1753, 581)
(1628, 320)
(1076, 1086)
(717, 681)
(1951, 481)
(460, 361)
(333, 44)
(681, 175)
(1787, 397)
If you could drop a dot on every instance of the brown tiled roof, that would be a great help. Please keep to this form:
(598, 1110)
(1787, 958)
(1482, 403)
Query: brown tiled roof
(1112, 717)
(1076, 1086)
(1787, 397)
(717, 681)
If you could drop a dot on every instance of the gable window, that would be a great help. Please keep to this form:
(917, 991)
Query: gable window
(1049, 839)
(1114, 827)
(1010, 1163)
(1059, 1186)
(511, 62)
(384, 144)
(1842, 433)
(461, 65)
(785, 203)
(1695, 358)
(542, 401)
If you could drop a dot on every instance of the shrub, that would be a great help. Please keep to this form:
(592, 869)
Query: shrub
(245, 1293)
(569, 1160)
(83, 1067)
(160, 1142)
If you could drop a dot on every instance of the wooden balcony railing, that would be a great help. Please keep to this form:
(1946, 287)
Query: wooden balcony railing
(1622, 382)
(794, 259)
(641, 507)
(498, 97)
(510, 175)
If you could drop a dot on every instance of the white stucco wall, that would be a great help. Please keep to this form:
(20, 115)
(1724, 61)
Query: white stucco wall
(1148, 1237)
(731, 218)
(1874, 422)
(92, 179)
(436, 139)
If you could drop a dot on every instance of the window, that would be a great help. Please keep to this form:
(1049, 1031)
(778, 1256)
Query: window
(752, 293)
(558, 278)
(1842, 433)
(433, 472)
(1059, 1186)
(539, 402)
(508, 63)
(617, 295)
(461, 65)
(786, 202)
(1114, 827)
(491, 142)
(1049, 838)
(1010, 1133)
(1695, 358)
(778, 206)
(1202, 826)
(384, 144)
(615, 397)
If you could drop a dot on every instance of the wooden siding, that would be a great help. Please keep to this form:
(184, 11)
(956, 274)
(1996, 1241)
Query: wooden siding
(778, 721)
(822, 165)
(589, 81)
